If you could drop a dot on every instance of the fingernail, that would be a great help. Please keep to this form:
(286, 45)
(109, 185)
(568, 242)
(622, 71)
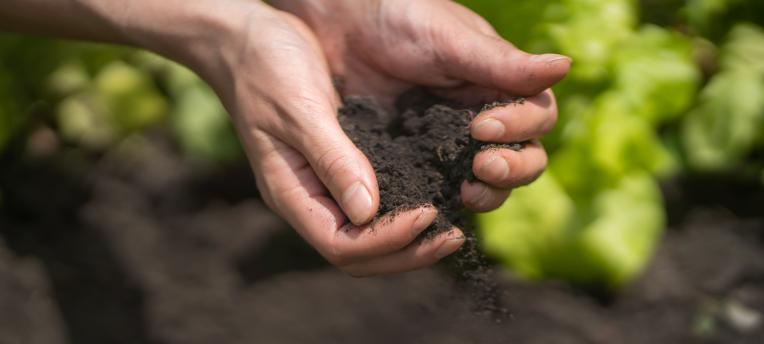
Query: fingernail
(495, 169)
(424, 219)
(551, 58)
(449, 246)
(480, 199)
(356, 201)
(489, 129)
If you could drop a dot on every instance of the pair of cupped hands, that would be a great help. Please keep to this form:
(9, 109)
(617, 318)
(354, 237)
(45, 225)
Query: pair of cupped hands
(272, 64)
(278, 87)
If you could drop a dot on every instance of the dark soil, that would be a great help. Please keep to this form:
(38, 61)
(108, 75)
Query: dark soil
(93, 252)
(421, 154)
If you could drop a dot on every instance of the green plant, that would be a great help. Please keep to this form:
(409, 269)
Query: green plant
(727, 124)
(595, 217)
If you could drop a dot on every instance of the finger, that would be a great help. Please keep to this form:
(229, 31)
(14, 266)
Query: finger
(343, 168)
(479, 197)
(389, 234)
(292, 189)
(507, 168)
(492, 62)
(418, 255)
(517, 122)
(305, 105)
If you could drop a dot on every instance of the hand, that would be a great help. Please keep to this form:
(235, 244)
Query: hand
(383, 47)
(271, 74)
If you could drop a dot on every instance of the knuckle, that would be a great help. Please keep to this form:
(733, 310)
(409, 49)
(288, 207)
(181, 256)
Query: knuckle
(397, 242)
(392, 240)
(334, 162)
(309, 103)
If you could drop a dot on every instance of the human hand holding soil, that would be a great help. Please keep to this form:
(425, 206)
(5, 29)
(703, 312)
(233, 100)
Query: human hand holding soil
(384, 47)
(273, 78)
(273, 74)
(310, 172)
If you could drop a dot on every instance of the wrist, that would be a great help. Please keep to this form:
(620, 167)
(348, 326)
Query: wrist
(201, 34)
(193, 33)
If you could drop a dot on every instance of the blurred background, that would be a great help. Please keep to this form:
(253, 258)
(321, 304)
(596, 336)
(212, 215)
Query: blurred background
(128, 213)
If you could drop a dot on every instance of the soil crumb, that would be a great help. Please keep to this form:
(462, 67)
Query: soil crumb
(421, 154)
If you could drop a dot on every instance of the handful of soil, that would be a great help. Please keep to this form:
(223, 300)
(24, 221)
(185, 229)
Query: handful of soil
(420, 155)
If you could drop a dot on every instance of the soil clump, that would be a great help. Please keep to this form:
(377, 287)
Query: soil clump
(421, 154)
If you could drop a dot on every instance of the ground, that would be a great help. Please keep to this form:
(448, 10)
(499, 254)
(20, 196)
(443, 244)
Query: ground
(141, 246)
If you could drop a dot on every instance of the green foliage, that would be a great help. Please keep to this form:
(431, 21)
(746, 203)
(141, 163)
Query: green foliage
(701, 13)
(605, 242)
(95, 111)
(714, 18)
(95, 95)
(596, 215)
(87, 91)
(631, 114)
(199, 120)
(728, 122)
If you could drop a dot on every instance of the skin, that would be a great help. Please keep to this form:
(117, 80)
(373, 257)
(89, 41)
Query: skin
(272, 66)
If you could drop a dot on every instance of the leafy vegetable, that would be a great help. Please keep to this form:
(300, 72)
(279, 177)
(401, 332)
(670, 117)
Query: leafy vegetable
(595, 217)
(543, 232)
(728, 122)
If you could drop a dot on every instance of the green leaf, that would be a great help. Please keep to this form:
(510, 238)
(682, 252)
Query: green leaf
(532, 224)
(521, 21)
(541, 232)
(701, 13)
(728, 122)
(589, 31)
(621, 141)
(655, 73)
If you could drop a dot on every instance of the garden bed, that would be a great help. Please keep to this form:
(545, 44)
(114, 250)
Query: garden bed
(91, 251)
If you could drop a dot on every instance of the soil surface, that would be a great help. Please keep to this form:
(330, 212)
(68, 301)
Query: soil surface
(421, 154)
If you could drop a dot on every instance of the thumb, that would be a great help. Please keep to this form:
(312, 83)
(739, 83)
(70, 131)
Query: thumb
(343, 169)
(492, 62)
